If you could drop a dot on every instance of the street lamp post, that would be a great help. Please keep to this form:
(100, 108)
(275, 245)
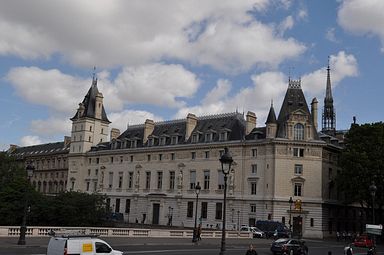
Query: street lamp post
(226, 162)
(23, 227)
(372, 189)
(290, 215)
(197, 191)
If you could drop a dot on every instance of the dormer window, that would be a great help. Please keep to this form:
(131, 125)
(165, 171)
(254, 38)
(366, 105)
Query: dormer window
(223, 136)
(133, 143)
(175, 139)
(298, 131)
(208, 137)
(150, 142)
(163, 140)
(195, 138)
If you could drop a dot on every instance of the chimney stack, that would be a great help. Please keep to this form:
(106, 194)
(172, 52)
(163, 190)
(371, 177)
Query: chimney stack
(314, 112)
(191, 124)
(149, 126)
(251, 122)
(115, 133)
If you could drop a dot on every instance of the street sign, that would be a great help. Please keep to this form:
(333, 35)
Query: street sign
(374, 229)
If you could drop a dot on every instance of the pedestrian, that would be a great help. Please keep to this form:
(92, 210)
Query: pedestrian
(348, 250)
(199, 233)
(251, 250)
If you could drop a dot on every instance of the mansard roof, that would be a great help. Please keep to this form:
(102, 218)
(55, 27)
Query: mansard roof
(232, 123)
(89, 104)
(294, 102)
(40, 149)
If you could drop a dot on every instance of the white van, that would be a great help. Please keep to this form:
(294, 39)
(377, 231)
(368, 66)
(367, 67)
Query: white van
(79, 245)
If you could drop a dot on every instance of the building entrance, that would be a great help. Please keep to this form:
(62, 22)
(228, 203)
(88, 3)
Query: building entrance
(155, 214)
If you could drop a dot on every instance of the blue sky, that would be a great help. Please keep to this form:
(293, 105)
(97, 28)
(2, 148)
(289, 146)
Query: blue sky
(161, 60)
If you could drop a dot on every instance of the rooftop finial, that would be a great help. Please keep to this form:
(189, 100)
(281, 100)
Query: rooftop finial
(271, 102)
(94, 79)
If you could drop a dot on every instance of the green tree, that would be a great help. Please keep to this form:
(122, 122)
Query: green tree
(13, 188)
(362, 161)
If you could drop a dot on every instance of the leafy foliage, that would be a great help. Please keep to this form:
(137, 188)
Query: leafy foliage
(362, 161)
(64, 209)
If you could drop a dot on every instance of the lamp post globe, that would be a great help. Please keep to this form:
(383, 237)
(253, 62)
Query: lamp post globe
(226, 162)
(23, 228)
(197, 191)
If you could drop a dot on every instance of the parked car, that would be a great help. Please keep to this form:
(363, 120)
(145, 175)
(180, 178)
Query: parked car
(79, 244)
(272, 228)
(257, 233)
(363, 241)
(289, 246)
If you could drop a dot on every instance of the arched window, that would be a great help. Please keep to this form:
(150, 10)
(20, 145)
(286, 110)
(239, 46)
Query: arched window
(298, 132)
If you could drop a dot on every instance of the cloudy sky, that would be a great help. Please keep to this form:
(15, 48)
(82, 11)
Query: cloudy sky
(164, 59)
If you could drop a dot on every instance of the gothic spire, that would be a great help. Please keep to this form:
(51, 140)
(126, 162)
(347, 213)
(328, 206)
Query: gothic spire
(329, 114)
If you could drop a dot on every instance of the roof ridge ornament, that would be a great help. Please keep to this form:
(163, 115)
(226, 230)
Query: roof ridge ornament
(294, 84)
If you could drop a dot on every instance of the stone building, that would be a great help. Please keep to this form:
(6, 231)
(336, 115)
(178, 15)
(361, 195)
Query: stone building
(149, 171)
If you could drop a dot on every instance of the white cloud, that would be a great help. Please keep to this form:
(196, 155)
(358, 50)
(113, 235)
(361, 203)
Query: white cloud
(51, 126)
(362, 17)
(125, 118)
(114, 33)
(257, 98)
(156, 84)
(286, 24)
(30, 140)
(330, 35)
(51, 88)
(342, 66)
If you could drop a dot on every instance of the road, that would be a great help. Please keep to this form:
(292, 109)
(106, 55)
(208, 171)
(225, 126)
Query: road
(177, 246)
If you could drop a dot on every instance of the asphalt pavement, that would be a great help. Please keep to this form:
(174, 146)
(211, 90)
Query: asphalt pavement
(177, 246)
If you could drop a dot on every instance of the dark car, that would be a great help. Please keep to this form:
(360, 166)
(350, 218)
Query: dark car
(273, 228)
(289, 246)
(363, 241)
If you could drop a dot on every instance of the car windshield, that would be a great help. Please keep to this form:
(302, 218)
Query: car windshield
(281, 241)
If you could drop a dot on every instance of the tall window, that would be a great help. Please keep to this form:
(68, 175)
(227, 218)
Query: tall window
(192, 179)
(254, 169)
(110, 179)
(117, 208)
(207, 154)
(253, 188)
(298, 131)
(130, 180)
(298, 169)
(254, 152)
(127, 206)
(172, 180)
(148, 180)
(120, 180)
(159, 179)
(220, 180)
(219, 211)
(190, 209)
(298, 189)
(253, 208)
(204, 210)
(193, 155)
(206, 179)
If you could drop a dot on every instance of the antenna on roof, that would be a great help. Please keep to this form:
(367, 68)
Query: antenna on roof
(290, 70)
(94, 79)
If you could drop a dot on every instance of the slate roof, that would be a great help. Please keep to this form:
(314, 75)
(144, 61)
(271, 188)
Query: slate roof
(232, 123)
(271, 116)
(294, 100)
(89, 104)
(40, 149)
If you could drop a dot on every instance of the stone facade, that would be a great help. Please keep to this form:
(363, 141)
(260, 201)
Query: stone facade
(149, 171)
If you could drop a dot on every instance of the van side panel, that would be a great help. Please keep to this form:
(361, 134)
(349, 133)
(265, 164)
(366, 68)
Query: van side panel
(56, 246)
